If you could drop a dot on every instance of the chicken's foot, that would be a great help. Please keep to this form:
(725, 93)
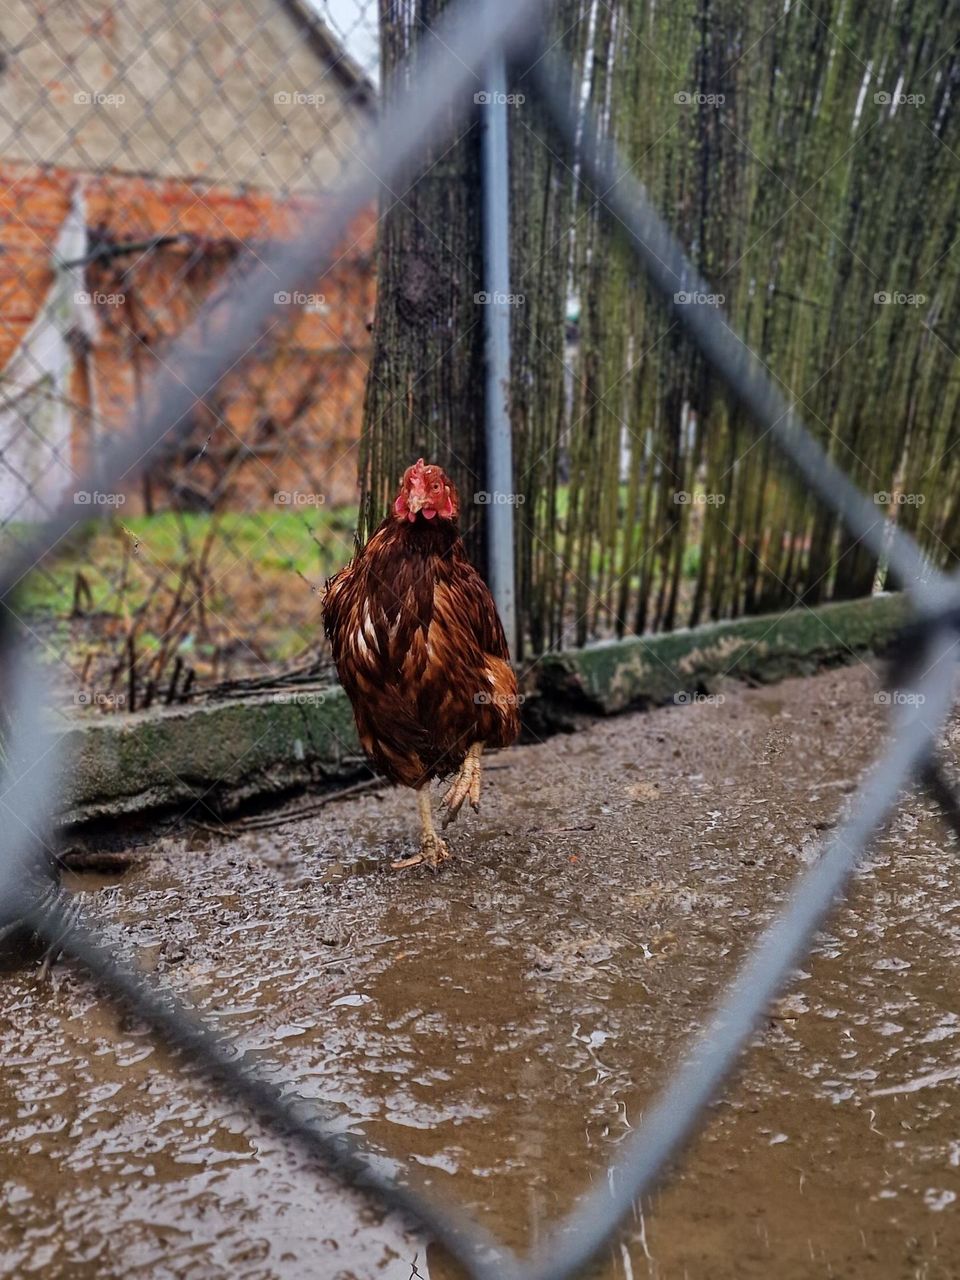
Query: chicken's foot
(433, 850)
(465, 785)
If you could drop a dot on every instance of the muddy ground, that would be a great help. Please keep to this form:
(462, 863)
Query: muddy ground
(500, 1026)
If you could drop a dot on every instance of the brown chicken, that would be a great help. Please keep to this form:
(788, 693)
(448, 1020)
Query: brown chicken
(421, 653)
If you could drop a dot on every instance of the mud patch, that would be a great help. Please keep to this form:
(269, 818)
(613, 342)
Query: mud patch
(497, 1029)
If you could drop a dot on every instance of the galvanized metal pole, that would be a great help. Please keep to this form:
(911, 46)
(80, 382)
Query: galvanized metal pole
(496, 272)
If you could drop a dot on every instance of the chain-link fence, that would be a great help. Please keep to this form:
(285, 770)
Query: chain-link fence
(224, 329)
(150, 159)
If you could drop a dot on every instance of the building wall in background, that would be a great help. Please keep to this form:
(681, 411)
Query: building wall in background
(203, 128)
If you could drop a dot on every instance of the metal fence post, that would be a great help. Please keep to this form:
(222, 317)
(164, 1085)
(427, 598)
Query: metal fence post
(496, 271)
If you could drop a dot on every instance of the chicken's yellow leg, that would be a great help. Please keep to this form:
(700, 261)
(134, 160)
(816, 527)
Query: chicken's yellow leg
(433, 850)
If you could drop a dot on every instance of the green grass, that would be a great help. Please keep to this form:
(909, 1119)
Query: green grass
(119, 559)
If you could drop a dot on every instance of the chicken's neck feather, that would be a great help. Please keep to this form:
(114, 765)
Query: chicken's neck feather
(415, 538)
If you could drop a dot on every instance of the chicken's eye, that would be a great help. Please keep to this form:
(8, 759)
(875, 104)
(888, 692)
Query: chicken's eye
(435, 487)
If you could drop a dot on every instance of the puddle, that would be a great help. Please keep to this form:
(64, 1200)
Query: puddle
(496, 1030)
(92, 880)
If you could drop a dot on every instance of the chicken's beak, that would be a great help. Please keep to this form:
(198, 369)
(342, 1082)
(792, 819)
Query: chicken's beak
(415, 502)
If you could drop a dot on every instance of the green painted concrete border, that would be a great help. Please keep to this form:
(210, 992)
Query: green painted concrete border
(214, 756)
(218, 753)
(607, 678)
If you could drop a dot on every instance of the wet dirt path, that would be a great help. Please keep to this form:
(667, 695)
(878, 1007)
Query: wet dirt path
(498, 1028)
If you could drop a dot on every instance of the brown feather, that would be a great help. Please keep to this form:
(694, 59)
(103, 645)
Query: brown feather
(420, 651)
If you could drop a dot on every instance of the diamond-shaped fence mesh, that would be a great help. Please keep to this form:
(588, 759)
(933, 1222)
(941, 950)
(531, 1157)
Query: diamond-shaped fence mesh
(195, 282)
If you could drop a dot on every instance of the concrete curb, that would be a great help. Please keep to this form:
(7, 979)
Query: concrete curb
(215, 756)
(608, 678)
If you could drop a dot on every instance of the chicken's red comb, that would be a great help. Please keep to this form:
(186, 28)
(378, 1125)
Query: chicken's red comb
(417, 469)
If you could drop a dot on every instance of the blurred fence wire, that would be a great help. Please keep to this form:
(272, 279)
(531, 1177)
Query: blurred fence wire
(224, 328)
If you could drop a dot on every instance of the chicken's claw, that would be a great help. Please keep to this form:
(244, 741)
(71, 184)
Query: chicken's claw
(466, 785)
(433, 853)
